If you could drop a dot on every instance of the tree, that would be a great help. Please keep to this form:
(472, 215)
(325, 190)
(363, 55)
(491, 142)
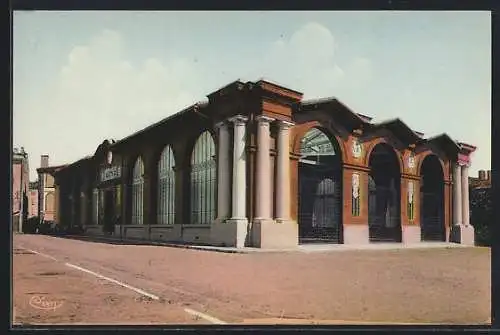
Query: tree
(481, 214)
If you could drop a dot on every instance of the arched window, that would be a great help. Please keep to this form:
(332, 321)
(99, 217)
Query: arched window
(203, 180)
(49, 202)
(137, 192)
(166, 187)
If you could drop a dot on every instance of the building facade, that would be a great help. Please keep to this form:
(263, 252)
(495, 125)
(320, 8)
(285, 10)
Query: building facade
(20, 182)
(258, 166)
(33, 199)
(47, 201)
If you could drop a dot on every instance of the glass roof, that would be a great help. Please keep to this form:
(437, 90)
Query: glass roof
(316, 143)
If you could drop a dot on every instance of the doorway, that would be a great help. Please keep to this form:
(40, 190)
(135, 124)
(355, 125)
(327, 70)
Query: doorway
(320, 190)
(384, 199)
(432, 200)
(109, 211)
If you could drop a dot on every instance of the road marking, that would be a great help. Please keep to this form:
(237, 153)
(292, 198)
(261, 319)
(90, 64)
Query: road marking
(39, 253)
(138, 290)
(207, 317)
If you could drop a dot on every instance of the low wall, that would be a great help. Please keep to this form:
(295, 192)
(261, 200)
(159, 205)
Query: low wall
(94, 230)
(166, 233)
(196, 233)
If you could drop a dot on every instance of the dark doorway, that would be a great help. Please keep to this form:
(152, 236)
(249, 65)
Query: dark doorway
(384, 199)
(432, 226)
(109, 211)
(320, 190)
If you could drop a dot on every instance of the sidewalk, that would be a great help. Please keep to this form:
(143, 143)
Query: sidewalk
(305, 248)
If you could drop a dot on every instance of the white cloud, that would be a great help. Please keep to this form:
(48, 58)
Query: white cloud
(307, 61)
(99, 93)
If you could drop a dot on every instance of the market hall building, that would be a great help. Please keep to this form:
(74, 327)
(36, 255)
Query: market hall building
(258, 166)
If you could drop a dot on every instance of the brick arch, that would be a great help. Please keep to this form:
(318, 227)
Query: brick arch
(302, 129)
(378, 141)
(421, 162)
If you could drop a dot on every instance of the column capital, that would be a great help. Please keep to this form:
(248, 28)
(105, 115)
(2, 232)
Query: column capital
(220, 124)
(238, 120)
(264, 119)
(283, 125)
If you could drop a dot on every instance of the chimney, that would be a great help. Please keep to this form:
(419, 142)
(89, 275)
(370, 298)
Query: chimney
(482, 175)
(44, 162)
(488, 175)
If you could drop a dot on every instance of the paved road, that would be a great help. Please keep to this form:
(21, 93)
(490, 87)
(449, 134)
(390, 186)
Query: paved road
(403, 286)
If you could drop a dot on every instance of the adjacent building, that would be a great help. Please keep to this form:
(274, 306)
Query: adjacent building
(483, 180)
(20, 182)
(33, 199)
(259, 166)
(46, 190)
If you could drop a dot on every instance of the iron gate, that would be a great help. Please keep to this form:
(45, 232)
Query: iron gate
(384, 217)
(320, 216)
(432, 220)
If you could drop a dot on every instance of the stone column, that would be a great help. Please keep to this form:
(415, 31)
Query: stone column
(283, 172)
(239, 169)
(457, 195)
(465, 195)
(223, 168)
(461, 232)
(263, 170)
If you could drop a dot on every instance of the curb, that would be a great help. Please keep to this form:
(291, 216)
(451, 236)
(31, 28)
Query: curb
(246, 250)
(163, 244)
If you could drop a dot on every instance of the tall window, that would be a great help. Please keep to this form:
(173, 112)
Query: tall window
(118, 203)
(83, 209)
(203, 179)
(137, 192)
(101, 206)
(166, 187)
(95, 206)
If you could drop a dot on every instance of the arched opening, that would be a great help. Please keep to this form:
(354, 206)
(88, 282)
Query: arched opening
(432, 200)
(203, 180)
(320, 189)
(137, 192)
(384, 199)
(166, 187)
(49, 202)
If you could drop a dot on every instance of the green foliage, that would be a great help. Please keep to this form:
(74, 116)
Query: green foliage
(481, 214)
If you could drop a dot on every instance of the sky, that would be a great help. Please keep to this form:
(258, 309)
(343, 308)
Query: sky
(84, 76)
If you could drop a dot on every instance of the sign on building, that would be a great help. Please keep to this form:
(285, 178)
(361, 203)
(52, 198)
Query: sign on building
(110, 173)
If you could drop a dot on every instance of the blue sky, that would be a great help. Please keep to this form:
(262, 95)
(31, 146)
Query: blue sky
(81, 77)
